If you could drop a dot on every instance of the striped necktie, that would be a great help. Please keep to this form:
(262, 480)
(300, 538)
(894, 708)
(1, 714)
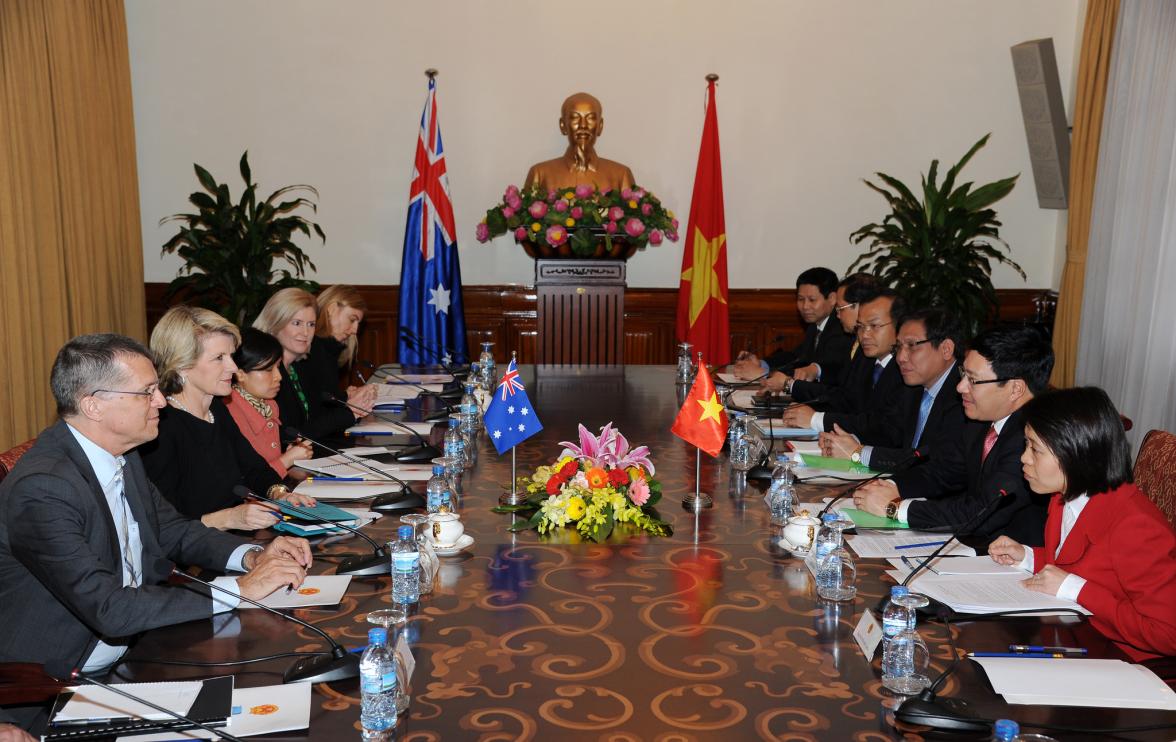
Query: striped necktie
(989, 442)
(130, 559)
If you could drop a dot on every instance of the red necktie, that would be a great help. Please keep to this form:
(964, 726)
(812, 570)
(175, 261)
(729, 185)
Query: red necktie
(989, 442)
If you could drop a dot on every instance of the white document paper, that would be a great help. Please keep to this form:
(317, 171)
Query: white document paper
(315, 590)
(882, 544)
(726, 378)
(377, 427)
(987, 593)
(345, 490)
(92, 702)
(1077, 682)
(742, 398)
(364, 450)
(263, 710)
(812, 448)
(424, 379)
(976, 565)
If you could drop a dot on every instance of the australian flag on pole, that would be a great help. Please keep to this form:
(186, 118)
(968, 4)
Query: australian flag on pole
(430, 278)
(510, 419)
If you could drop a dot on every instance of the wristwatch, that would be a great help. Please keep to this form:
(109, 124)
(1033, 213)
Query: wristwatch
(788, 386)
(255, 549)
(856, 456)
(892, 508)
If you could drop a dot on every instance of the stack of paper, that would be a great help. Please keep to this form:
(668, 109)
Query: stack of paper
(264, 710)
(895, 544)
(959, 565)
(1077, 682)
(973, 593)
(378, 427)
(777, 429)
(90, 702)
(383, 374)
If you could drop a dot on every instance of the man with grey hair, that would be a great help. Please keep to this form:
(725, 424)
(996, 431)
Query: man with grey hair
(87, 542)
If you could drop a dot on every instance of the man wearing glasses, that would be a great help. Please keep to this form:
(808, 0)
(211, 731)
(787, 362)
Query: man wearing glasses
(1002, 371)
(930, 344)
(87, 542)
(874, 385)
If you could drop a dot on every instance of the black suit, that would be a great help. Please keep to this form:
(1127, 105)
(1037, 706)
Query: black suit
(944, 426)
(322, 421)
(958, 486)
(828, 348)
(61, 581)
(858, 400)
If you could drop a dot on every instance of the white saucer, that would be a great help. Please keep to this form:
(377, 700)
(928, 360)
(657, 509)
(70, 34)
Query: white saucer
(457, 547)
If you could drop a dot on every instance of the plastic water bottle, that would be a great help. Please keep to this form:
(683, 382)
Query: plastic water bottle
(896, 618)
(406, 568)
(378, 686)
(780, 494)
(437, 486)
(455, 445)
(471, 411)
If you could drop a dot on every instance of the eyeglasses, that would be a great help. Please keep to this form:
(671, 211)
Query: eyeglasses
(910, 345)
(863, 329)
(150, 392)
(977, 382)
(843, 307)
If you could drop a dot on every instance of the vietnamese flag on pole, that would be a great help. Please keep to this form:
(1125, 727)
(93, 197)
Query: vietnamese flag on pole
(702, 421)
(702, 293)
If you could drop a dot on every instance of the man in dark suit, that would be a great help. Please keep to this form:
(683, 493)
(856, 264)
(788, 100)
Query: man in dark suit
(873, 386)
(930, 345)
(1002, 371)
(823, 351)
(87, 542)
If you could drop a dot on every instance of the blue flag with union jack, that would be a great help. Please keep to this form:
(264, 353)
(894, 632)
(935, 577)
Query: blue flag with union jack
(510, 419)
(430, 277)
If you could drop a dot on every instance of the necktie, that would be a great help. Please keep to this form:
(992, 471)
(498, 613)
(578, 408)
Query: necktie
(817, 339)
(130, 566)
(853, 351)
(924, 411)
(989, 442)
(878, 368)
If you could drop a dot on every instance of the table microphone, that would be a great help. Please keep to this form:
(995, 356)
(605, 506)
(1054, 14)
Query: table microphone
(422, 453)
(79, 675)
(406, 500)
(338, 664)
(423, 346)
(763, 470)
(374, 564)
(424, 390)
(916, 455)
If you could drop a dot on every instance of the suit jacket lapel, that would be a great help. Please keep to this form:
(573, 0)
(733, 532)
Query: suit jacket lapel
(1094, 516)
(78, 457)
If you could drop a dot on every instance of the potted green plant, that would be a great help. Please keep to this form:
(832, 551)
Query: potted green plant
(229, 247)
(939, 249)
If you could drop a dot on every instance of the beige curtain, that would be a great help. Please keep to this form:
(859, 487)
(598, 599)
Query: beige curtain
(1093, 65)
(71, 257)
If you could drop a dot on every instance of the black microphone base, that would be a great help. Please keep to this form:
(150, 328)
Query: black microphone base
(373, 564)
(438, 415)
(944, 715)
(760, 471)
(418, 455)
(395, 501)
(323, 668)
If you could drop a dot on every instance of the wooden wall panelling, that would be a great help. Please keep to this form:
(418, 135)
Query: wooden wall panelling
(506, 315)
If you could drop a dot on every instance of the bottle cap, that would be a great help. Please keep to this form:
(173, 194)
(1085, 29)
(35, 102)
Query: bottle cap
(405, 532)
(1006, 728)
(438, 469)
(454, 420)
(897, 591)
(378, 635)
(829, 517)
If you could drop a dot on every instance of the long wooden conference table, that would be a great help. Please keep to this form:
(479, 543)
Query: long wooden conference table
(714, 633)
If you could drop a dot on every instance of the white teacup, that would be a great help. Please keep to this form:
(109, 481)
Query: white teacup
(445, 529)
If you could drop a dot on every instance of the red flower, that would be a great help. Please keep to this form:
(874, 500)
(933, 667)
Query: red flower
(569, 469)
(618, 477)
(553, 485)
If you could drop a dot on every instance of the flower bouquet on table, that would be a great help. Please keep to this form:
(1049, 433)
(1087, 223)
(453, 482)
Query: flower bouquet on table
(579, 222)
(592, 487)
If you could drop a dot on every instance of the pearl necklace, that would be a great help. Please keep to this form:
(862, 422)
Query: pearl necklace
(209, 417)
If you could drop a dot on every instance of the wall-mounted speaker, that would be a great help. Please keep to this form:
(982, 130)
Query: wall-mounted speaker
(1036, 70)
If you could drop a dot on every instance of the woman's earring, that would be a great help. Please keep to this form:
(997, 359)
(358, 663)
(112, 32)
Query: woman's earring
(183, 380)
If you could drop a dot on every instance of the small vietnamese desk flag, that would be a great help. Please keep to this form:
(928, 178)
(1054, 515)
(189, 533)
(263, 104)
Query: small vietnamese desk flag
(702, 421)
(702, 292)
(510, 419)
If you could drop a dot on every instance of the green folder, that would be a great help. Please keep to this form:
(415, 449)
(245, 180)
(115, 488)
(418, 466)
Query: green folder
(862, 519)
(831, 464)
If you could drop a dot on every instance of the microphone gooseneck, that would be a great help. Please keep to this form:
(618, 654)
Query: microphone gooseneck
(967, 528)
(79, 675)
(406, 500)
(915, 456)
(373, 564)
(423, 452)
(339, 664)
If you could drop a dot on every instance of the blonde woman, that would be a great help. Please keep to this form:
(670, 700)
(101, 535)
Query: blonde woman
(340, 310)
(200, 455)
(290, 315)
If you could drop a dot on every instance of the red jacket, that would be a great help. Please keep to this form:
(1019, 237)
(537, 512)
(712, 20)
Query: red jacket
(1126, 550)
(260, 432)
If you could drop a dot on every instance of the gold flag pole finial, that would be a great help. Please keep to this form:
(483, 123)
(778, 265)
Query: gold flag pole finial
(712, 77)
(431, 73)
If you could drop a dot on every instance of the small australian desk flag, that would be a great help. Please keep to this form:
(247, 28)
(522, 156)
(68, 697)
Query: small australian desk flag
(510, 419)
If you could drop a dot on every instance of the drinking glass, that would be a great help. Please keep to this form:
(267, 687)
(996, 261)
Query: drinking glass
(430, 563)
(910, 653)
(836, 572)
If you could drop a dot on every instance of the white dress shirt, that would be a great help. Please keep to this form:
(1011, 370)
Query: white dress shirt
(1073, 584)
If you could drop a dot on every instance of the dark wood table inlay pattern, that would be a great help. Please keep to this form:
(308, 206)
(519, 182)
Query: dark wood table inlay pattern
(712, 634)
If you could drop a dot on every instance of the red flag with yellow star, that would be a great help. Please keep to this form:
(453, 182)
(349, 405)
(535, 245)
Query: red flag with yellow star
(702, 293)
(702, 421)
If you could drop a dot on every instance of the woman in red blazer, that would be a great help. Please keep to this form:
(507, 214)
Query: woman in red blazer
(1106, 545)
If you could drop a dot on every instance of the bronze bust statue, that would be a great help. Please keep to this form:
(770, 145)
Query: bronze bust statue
(581, 121)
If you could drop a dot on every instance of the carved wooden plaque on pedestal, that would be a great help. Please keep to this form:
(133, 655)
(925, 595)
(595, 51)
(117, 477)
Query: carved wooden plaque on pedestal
(581, 312)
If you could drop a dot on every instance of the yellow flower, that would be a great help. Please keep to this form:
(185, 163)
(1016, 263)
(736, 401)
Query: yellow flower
(536, 226)
(570, 222)
(569, 196)
(576, 507)
(632, 204)
(670, 213)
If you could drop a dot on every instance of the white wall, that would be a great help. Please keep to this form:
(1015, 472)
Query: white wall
(812, 98)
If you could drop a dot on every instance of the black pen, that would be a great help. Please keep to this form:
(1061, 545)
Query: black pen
(1048, 650)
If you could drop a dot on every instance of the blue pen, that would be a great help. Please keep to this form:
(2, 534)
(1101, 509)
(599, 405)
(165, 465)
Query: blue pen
(335, 479)
(1037, 655)
(919, 546)
(1047, 650)
(365, 433)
